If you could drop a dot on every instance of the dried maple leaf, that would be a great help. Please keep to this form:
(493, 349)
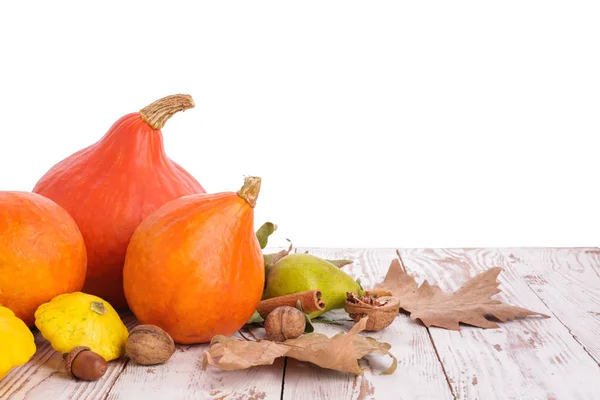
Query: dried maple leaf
(230, 354)
(340, 352)
(470, 304)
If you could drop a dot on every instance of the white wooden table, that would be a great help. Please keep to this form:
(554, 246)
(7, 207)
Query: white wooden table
(556, 358)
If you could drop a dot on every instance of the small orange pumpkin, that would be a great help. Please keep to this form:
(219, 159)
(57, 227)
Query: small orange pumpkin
(42, 253)
(194, 267)
(110, 186)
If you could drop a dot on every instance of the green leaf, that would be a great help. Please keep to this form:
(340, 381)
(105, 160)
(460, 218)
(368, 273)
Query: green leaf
(268, 261)
(263, 233)
(361, 290)
(308, 328)
(321, 320)
(255, 318)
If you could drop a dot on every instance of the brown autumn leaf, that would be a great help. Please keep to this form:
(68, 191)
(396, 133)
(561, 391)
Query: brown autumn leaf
(273, 258)
(470, 304)
(230, 354)
(340, 352)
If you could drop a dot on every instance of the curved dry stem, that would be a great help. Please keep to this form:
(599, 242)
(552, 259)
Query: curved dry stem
(159, 112)
(250, 190)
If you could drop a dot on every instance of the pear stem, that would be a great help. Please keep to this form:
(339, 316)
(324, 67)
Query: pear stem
(159, 112)
(250, 190)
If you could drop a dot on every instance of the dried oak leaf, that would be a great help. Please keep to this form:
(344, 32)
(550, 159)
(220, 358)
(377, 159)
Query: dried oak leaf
(470, 304)
(340, 352)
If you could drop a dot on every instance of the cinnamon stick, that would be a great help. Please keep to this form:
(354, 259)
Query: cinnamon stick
(310, 301)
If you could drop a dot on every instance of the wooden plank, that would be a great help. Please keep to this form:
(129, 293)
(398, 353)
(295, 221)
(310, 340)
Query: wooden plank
(45, 377)
(419, 374)
(568, 282)
(527, 359)
(532, 358)
(182, 378)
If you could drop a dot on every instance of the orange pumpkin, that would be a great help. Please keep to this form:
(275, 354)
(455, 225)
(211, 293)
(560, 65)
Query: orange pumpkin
(112, 185)
(42, 253)
(194, 267)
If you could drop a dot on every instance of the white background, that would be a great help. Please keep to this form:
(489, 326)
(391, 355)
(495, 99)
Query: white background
(374, 123)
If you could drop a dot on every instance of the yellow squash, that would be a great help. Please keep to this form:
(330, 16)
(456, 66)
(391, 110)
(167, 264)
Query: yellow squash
(17, 344)
(80, 319)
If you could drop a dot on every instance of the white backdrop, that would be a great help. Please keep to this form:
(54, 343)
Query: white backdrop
(371, 123)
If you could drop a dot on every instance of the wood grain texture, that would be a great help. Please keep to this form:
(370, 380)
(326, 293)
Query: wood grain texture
(45, 376)
(533, 358)
(568, 282)
(183, 378)
(419, 374)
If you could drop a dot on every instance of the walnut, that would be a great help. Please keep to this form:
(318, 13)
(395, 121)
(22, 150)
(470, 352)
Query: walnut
(285, 323)
(149, 345)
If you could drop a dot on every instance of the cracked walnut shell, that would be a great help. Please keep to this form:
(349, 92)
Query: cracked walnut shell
(380, 310)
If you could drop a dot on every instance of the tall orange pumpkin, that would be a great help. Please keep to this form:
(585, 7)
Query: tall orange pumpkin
(194, 267)
(42, 253)
(112, 185)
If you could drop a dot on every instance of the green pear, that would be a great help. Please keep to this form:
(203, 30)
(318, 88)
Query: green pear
(297, 273)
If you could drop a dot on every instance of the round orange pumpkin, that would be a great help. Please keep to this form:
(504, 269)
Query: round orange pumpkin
(42, 253)
(194, 267)
(110, 186)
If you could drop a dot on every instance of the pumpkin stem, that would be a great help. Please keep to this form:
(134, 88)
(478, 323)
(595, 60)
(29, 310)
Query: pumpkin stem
(250, 190)
(159, 112)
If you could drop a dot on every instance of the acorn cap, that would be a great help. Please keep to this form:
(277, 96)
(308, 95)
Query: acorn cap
(71, 356)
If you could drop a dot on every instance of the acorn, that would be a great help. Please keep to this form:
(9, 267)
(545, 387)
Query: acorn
(84, 364)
